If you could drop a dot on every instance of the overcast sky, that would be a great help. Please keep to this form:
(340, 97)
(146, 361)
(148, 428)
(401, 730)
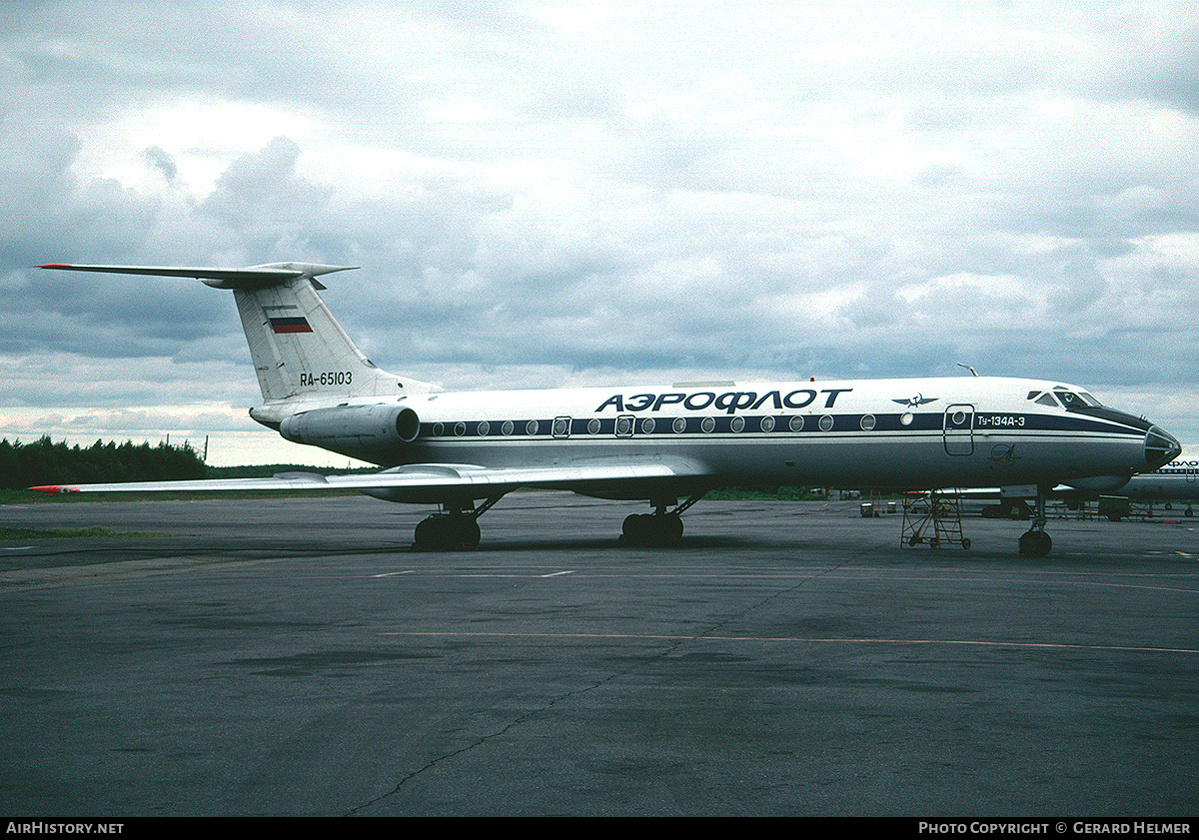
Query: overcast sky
(545, 194)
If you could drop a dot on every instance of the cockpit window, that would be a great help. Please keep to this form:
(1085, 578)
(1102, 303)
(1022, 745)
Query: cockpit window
(1047, 399)
(1072, 400)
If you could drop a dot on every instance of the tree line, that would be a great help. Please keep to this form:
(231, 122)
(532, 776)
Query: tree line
(46, 462)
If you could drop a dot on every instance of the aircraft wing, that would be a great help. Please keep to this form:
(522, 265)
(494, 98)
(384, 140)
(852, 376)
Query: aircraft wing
(429, 481)
(1018, 492)
(1027, 491)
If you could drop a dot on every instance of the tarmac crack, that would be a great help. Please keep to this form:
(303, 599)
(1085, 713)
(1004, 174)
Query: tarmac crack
(508, 727)
(595, 686)
(779, 593)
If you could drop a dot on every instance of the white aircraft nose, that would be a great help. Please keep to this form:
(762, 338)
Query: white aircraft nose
(1161, 447)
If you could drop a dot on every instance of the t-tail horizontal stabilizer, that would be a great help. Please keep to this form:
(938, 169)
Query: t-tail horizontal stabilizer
(254, 277)
(300, 351)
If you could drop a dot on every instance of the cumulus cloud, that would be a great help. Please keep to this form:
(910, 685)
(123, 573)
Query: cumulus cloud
(163, 162)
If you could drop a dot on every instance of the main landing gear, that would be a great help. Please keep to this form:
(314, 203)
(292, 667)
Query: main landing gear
(662, 528)
(1035, 542)
(456, 528)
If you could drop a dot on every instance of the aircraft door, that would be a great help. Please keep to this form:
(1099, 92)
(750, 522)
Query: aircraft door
(959, 430)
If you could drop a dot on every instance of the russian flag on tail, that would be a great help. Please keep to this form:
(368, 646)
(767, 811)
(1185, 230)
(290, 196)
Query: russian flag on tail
(290, 325)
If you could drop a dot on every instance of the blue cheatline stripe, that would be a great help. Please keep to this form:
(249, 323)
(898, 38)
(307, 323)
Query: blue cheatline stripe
(705, 426)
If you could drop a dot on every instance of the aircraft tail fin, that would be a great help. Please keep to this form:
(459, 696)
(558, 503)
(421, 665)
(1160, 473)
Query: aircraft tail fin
(298, 347)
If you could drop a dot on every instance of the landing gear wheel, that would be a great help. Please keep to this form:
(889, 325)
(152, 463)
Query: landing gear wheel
(659, 529)
(635, 529)
(447, 532)
(468, 535)
(672, 528)
(1035, 544)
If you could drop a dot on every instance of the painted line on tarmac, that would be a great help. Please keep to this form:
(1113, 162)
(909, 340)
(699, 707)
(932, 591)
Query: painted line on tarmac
(799, 639)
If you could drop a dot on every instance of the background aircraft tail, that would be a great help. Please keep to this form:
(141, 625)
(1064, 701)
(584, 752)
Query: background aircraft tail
(298, 347)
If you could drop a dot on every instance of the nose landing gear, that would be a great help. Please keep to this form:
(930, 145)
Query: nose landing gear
(1035, 542)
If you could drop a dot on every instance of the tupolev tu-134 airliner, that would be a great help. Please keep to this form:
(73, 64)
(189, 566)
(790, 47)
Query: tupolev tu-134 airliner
(465, 451)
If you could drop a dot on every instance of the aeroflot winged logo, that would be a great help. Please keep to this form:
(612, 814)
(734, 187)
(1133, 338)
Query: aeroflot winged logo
(916, 401)
(1001, 454)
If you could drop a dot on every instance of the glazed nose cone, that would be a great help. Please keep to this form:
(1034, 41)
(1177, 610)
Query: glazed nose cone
(1161, 448)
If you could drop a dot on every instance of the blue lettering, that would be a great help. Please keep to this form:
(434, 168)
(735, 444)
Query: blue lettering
(734, 400)
(668, 399)
(811, 396)
(639, 402)
(832, 395)
(778, 401)
(730, 402)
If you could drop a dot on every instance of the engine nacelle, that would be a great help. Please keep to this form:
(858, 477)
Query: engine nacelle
(367, 426)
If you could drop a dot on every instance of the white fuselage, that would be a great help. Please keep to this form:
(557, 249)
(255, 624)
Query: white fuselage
(961, 431)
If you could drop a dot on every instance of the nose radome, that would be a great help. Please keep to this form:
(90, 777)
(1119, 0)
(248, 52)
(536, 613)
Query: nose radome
(1161, 447)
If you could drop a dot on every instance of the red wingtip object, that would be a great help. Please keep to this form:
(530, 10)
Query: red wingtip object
(55, 488)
